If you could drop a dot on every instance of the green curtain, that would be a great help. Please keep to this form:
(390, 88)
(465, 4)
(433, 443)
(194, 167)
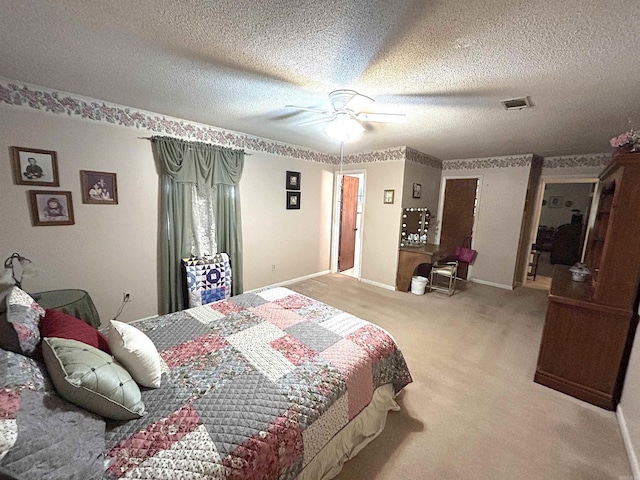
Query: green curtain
(212, 171)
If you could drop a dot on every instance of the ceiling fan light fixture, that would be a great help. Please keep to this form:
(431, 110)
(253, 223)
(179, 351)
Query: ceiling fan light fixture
(344, 128)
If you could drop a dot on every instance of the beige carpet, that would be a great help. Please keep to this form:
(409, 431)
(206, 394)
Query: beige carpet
(473, 410)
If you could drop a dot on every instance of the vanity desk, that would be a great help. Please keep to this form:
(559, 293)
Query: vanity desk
(410, 257)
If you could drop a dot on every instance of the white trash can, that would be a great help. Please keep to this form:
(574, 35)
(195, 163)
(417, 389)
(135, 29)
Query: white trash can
(418, 285)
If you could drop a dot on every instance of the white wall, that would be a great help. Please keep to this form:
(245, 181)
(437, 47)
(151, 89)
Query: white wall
(499, 215)
(629, 407)
(429, 178)
(297, 242)
(381, 222)
(113, 248)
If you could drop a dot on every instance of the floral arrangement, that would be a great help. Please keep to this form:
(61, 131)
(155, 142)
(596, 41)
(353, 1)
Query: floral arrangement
(630, 137)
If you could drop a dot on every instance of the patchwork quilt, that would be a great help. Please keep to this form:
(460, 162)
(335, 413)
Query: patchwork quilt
(208, 279)
(253, 387)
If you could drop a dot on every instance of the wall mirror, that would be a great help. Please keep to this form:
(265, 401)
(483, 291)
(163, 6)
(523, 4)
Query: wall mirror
(415, 226)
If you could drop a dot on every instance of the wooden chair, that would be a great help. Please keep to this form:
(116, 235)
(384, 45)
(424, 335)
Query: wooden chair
(443, 277)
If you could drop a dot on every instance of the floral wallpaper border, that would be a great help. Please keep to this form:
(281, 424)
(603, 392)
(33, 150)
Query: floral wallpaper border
(422, 158)
(51, 101)
(573, 161)
(388, 155)
(40, 98)
(490, 162)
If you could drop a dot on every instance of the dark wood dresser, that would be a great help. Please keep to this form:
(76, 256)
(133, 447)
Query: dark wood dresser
(589, 326)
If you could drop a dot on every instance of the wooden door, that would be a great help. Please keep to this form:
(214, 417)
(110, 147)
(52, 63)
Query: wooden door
(348, 226)
(457, 215)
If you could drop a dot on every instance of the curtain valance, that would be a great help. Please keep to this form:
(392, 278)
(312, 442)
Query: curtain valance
(203, 164)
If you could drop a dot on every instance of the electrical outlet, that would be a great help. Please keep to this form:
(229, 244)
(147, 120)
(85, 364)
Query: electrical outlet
(126, 297)
(273, 268)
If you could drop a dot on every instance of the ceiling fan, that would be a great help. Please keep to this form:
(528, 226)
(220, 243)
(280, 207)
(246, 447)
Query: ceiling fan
(344, 120)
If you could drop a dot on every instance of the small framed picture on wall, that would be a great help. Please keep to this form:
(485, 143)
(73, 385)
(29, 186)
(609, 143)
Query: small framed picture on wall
(555, 202)
(32, 166)
(293, 180)
(388, 196)
(99, 187)
(51, 207)
(293, 200)
(417, 190)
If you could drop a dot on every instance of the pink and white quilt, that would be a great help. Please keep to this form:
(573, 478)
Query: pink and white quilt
(254, 387)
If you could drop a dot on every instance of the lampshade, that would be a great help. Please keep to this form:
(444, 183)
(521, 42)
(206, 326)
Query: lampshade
(344, 128)
(17, 267)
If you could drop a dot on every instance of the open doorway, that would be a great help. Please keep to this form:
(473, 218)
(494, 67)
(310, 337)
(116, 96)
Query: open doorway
(347, 226)
(559, 235)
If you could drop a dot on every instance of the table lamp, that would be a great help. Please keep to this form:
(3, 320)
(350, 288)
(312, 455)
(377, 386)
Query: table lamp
(17, 267)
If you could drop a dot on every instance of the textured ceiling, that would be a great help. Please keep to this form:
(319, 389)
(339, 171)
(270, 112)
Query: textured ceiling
(446, 64)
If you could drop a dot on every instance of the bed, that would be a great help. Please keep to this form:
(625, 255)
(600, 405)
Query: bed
(265, 385)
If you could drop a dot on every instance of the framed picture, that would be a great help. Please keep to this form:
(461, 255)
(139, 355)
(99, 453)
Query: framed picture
(293, 180)
(51, 207)
(555, 202)
(417, 190)
(34, 167)
(293, 200)
(99, 187)
(388, 196)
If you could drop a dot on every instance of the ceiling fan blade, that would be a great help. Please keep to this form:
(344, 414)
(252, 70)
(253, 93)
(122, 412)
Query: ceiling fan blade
(381, 117)
(313, 122)
(358, 102)
(308, 109)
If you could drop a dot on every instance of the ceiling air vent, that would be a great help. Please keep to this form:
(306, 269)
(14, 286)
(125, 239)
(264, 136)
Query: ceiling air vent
(517, 103)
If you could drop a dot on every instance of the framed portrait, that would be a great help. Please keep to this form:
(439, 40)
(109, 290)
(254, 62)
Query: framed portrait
(32, 166)
(293, 200)
(555, 202)
(388, 196)
(51, 207)
(99, 187)
(293, 180)
(417, 190)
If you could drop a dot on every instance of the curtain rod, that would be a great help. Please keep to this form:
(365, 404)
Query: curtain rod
(151, 139)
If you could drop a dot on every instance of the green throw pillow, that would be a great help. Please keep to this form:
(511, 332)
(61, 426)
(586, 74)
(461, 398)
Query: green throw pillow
(91, 379)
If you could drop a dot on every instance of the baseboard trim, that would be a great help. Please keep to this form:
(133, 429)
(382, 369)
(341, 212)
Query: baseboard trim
(492, 284)
(293, 280)
(378, 284)
(628, 445)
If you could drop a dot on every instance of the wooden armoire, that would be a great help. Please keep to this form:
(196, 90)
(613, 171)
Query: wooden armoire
(590, 326)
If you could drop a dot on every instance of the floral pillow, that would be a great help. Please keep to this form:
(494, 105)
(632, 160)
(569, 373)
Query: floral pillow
(19, 324)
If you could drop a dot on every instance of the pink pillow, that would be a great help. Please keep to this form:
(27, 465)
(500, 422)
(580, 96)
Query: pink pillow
(62, 325)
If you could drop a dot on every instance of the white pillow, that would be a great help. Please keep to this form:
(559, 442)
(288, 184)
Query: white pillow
(133, 349)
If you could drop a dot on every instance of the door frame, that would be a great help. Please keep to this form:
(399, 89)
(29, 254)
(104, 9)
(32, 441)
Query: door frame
(544, 181)
(476, 216)
(335, 230)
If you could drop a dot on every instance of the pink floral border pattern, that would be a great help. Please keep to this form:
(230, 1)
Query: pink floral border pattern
(389, 155)
(484, 163)
(54, 102)
(572, 161)
(422, 158)
(40, 98)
